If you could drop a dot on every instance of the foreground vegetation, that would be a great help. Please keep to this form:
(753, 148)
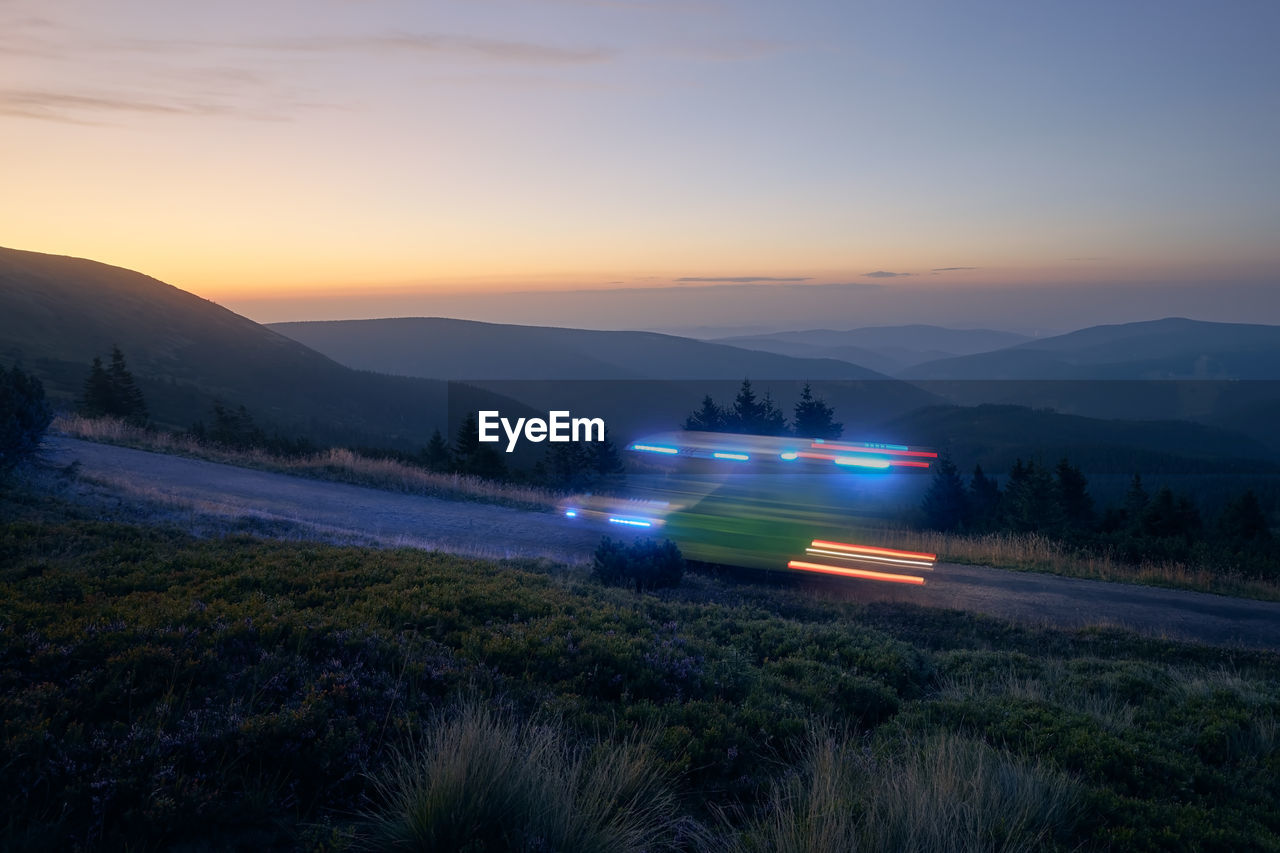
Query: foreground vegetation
(158, 691)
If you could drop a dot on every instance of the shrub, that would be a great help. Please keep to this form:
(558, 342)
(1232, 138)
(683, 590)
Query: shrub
(480, 782)
(24, 416)
(644, 564)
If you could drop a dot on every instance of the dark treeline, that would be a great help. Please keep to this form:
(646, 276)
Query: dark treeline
(812, 417)
(570, 465)
(1055, 502)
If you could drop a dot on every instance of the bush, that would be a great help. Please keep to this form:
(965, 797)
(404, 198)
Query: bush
(24, 416)
(480, 782)
(645, 564)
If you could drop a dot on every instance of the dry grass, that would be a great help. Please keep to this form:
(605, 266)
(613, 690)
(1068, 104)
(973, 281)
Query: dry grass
(481, 781)
(943, 792)
(337, 464)
(1032, 552)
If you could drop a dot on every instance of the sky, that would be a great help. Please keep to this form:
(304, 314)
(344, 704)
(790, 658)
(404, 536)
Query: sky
(652, 162)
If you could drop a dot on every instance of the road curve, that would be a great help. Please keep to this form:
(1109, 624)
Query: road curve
(337, 510)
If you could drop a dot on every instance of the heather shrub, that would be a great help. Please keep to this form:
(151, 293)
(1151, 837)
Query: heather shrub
(644, 564)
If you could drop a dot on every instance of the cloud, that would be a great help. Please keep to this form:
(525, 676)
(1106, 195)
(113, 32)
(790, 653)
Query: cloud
(90, 107)
(440, 44)
(741, 279)
(885, 274)
(951, 269)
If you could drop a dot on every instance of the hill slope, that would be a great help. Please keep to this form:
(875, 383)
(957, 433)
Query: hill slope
(888, 349)
(1173, 348)
(442, 348)
(57, 313)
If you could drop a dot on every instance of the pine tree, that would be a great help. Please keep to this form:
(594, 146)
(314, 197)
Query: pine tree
(709, 418)
(568, 465)
(772, 421)
(97, 399)
(128, 398)
(984, 500)
(1242, 519)
(1167, 516)
(945, 504)
(814, 418)
(747, 412)
(604, 458)
(471, 456)
(1135, 503)
(112, 392)
(1028, 501)
(1072, 492)
(436, 454)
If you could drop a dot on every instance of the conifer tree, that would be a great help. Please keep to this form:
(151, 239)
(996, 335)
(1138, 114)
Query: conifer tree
(984, 500)
(436, 454)
(945, 504)
(96, 399)
(128, 398)
(1242, 519)
(709, 418)
(814, 418)
(1074, 502)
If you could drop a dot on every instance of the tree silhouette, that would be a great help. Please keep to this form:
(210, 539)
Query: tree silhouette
(1074, 503)
(945, 504)
(112, 392)
(984, 500)
(1243, 520)
(709, 418)
(814, 418)
(436, 455)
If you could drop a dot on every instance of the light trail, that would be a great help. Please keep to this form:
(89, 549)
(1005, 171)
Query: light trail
(917, 564)
(871, 549)
(656, 448)
(865, 574)
(632, 522)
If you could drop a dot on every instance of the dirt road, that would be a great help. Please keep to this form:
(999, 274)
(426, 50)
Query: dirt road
(336, 510)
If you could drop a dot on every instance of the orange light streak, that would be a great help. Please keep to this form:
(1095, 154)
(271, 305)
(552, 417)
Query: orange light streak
(869, 549)
(854, 573)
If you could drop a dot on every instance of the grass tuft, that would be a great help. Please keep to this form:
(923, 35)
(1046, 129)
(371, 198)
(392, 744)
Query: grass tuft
(942, 792)
(479, 781)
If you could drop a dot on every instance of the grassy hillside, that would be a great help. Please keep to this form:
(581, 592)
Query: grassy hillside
(57, 313)
(1172, 348)
(162, 692)
(463, 349)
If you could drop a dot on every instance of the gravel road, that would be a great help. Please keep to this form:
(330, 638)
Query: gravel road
(340, 511)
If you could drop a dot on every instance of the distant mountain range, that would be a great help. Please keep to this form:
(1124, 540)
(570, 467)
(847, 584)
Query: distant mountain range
(334, 383)
(888, 349)
(1173, 348)
(442, 348)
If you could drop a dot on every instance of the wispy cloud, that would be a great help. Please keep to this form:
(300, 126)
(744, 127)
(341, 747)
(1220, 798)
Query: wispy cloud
(741, 279)
(951, 269)
(439, 44)
(885, 274)
(93, 107)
